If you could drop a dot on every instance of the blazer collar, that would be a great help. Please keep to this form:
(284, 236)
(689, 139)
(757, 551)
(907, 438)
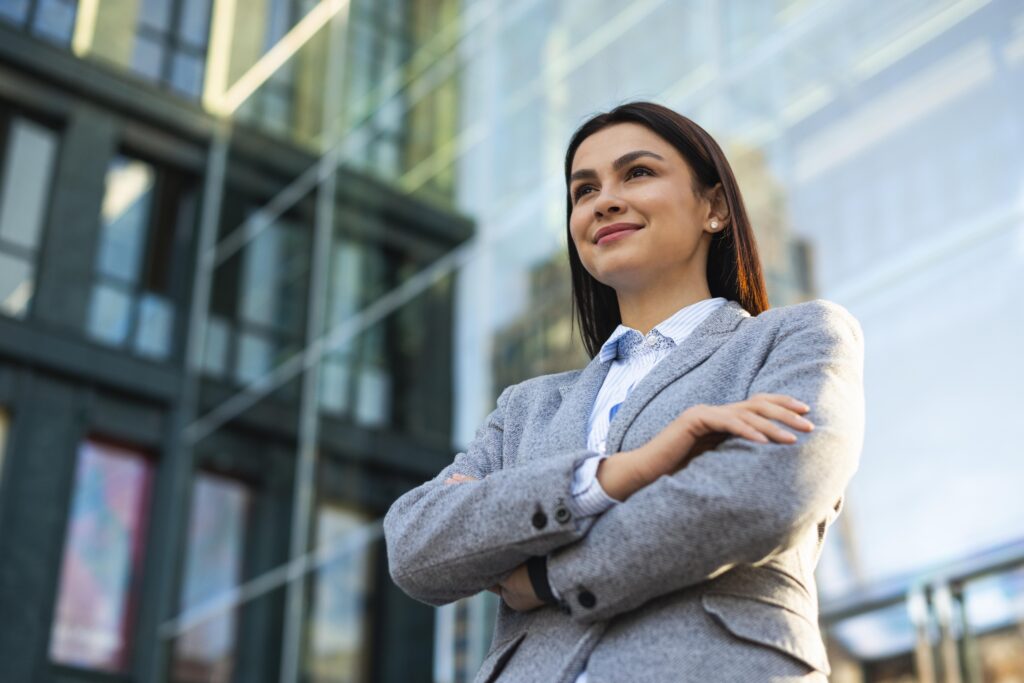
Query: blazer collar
(579, 392)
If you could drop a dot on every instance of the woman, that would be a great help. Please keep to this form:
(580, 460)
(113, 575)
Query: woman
(656, 516)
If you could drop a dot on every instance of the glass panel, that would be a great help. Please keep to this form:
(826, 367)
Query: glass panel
(216, 539)
(215, 349)
(15, 11)
(110, 314)
(374, 398)
(195, 22)
(126, 210)
(102, 557)
(338, 648)
(156, 14)
(336, 377)
(255, 357)
(274, 268)
(16, 285)
(55, 19)
(156, 319)
(148, 57)
(26, 176)
(187, 74)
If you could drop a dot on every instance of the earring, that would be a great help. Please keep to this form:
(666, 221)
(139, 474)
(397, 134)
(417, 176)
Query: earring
(714, 225)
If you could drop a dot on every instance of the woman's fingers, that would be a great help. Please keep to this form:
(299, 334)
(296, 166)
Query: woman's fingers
(769, 429)
(458, 478)
(782, 414)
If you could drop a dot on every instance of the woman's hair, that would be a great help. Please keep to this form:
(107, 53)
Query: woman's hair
(734, 268)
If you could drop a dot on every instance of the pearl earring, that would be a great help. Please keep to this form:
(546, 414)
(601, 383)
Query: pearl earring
(714, 225)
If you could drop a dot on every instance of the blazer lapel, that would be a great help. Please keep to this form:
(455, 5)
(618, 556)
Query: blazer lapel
(568, 428)
(694, 350)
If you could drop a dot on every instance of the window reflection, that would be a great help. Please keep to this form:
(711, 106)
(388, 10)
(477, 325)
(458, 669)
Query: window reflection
(216, 537)
(102, 557)
(55, 20)
(50, 19)
(24, 192)
(339, 630)
(131, 304)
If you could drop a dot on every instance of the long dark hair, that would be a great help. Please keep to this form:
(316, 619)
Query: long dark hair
(734, 267)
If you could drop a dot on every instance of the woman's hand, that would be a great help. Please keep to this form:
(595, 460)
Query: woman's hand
(698, 429)
(703, 427)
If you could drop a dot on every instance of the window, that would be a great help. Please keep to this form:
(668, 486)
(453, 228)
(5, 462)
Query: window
(50, 19)
(103, 552)
(131, 305)
(214, 563)
(25, 178)
(355, 379)
(258, 302)
(338, 647)
(171, 42)
(272, 105)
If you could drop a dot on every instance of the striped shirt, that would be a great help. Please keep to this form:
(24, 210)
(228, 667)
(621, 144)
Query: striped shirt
(627, 369)
(623, 375)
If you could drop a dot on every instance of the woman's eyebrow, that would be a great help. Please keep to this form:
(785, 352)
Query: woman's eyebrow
(617, 164)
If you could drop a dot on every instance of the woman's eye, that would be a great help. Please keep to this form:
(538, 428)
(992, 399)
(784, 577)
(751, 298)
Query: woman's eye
(643, 170)
(580, 191)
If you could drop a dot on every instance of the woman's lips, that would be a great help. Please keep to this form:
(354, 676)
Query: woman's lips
(617, 235)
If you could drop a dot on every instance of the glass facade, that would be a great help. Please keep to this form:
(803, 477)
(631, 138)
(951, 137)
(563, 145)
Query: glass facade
(103, 553)
(335, 335)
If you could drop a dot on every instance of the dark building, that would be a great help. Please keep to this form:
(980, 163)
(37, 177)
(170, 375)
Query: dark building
(167, 273)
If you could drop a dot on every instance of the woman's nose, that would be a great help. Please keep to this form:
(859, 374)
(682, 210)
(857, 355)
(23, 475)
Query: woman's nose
(608, 204)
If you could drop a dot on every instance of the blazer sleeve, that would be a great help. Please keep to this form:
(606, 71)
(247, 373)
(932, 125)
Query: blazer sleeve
(446, 542)
(740, 503)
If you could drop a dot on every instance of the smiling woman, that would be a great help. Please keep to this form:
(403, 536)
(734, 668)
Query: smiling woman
(659, 513)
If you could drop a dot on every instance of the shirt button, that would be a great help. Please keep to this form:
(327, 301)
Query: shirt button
(562, 514)
(540, 520)
(587, 599)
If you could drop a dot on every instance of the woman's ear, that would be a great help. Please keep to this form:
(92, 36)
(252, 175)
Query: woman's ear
(718, 209)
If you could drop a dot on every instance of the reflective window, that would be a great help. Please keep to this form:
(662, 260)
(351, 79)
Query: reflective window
(356, 379)
(258, 300)
(103, 551)
(132, 305)
(341, 586)
(29, 156)
(53, 20)
(205, 652)
(171, 41)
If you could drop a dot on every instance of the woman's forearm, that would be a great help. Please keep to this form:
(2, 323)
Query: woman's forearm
(623, 474)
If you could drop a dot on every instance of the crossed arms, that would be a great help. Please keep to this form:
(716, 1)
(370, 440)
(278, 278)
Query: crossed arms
(740, 503)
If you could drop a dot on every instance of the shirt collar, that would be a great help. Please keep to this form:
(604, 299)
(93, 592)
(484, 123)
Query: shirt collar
(676, 327)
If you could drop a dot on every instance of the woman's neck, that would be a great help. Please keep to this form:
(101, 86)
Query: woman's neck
(644, 309)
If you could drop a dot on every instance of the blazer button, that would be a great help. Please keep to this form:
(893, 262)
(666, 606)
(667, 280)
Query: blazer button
(540, 520)
(587, 599)
(562, 514)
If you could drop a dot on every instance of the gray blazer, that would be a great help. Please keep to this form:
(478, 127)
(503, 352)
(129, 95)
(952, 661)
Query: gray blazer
(705, 575)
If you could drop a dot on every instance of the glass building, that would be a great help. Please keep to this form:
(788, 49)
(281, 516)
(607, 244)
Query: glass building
(265, 266)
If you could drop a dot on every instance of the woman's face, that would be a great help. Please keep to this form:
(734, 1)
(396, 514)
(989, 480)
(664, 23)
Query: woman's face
(635, 219)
